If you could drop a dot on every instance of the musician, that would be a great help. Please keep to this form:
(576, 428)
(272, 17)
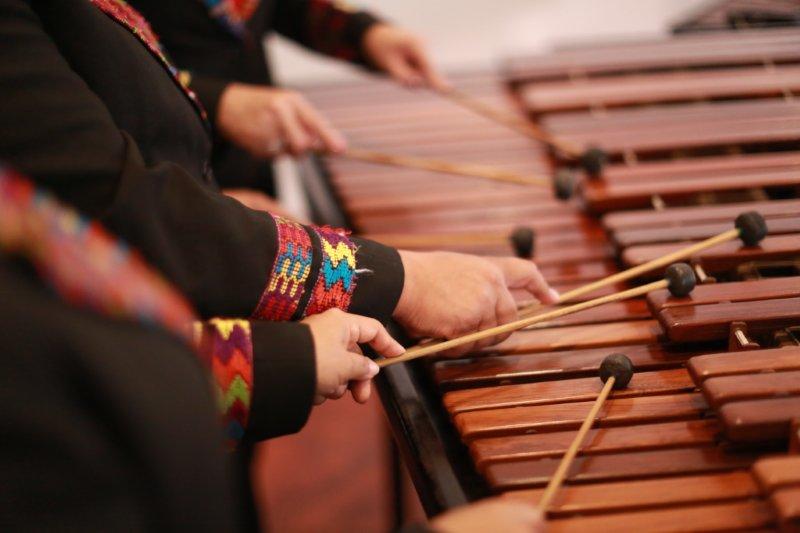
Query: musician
(106, 410)
(92, 110)
(220, 44)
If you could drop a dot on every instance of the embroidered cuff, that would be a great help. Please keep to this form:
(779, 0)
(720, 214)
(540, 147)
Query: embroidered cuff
(227, 346)
(314, 270)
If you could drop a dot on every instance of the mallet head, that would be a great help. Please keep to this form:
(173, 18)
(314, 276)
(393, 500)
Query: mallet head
(752, 227)
(619, 366)
(680, 279)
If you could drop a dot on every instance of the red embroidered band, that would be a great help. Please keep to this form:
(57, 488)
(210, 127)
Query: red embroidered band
(289, 273)
(337, 275)
(228, 346)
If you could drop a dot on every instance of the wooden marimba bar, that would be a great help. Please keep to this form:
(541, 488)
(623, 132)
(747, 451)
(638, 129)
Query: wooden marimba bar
(715, 392)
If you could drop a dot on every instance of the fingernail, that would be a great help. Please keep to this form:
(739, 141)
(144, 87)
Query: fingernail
(554, 295)
(373, 369)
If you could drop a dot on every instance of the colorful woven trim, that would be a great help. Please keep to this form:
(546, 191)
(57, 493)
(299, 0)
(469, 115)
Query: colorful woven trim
(84, 264)
(289, 273)
(228, 345)
(327, 29)
(337, 276)
(129, 18)
(233, 14)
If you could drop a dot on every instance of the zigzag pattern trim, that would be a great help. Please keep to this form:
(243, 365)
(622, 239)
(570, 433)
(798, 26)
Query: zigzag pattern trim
(291, 269)
(228, 345)
(337, 277)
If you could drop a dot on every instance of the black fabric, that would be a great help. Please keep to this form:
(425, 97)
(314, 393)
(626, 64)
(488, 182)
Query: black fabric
(201, 45)
(283, 388)
(88, 112)
(106, 425)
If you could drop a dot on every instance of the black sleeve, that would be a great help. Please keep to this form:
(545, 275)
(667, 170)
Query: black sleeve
(60, 133)
(324, 27)
(284, 379)
(209, 90)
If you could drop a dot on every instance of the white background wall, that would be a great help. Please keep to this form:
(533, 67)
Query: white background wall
(476, 33)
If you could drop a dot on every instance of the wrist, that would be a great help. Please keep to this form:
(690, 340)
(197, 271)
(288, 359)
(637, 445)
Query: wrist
(408, 296)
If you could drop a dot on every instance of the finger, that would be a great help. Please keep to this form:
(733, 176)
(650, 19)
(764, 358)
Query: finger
(522, 274)
(361, 390)
(506, 311)
(430, 74)
(357, 368)
(292, 129)
(319, 399)
(489, 320)
(399, 69)
(370, 331)
(331, 138)
(338, 392)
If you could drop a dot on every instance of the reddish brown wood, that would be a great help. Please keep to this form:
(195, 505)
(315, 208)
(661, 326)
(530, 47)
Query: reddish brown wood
(760, 420)
(568, 416)
(786, 503)
(777, 472)
(579, 337)
(723, 390)
(633, 237)
(712, 321)
(603, 440)
(639, 89)
(602, 196)
(564, 391)
(738, 291)
(739, 516)
(679, 216)
(723, 257)
(488, 370)
(616, 467)
(650, 493)
(737, 363)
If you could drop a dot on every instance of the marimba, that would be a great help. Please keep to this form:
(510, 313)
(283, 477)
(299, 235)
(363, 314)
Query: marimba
(698, 129)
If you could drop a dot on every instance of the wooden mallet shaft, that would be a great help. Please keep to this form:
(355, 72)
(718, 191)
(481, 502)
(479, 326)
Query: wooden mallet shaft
(563, 467)
(630, 273)
(433, 348)
(446, 167)
(509, 120)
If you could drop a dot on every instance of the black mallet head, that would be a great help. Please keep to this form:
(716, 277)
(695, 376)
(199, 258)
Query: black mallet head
(564, 183)
(752, 227)
(593, 160)
(619, 366)
(680, 279)
(523, 239)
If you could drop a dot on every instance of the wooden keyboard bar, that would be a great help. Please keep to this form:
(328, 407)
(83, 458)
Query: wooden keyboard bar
(761, 421)
(678, 216)
(712, 322)
(633, 237)
(736, 291)
(751, 515)
(709, 366)
(728, 389)
(551, 365)
(723, 257)
(569, 416)
(777, 472)
(617, 467)
(786, 503)
(564, 391)
(681, 434)
(554, 97)
(651, 493)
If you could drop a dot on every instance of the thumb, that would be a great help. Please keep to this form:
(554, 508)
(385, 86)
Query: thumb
(370, 331)
(523, 274)
(399, 69)
(358, 368)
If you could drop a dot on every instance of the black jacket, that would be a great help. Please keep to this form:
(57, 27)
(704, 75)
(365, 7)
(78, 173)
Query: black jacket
(106, 425)
(89, 112)
(215, 56)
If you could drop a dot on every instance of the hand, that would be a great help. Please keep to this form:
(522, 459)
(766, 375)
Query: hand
(446, 295)
(257, 200)
(495, 514)
(340, 363)
(267, 122)
(400, 54)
